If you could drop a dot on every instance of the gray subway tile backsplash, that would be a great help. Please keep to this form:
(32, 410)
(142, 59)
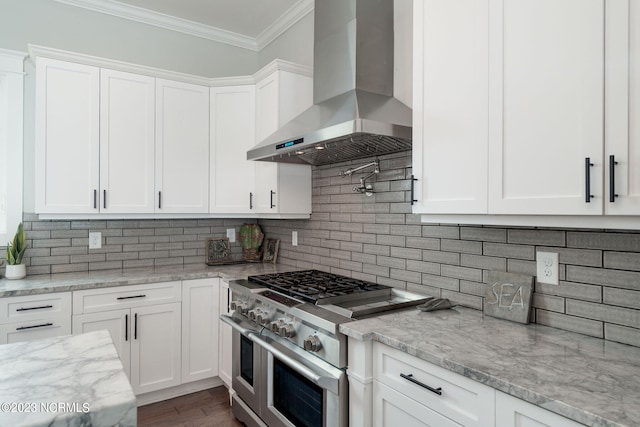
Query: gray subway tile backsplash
(377, 238)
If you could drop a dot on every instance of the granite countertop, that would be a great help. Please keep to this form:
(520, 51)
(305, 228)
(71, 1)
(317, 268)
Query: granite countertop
(589, 380)
(64, 381)
(45, 283)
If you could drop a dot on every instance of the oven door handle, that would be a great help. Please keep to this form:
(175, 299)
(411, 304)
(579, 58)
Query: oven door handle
(236, 325)
(330, 383)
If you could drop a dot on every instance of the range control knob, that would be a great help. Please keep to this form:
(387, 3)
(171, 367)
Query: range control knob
(287, 330)
(233, 305)
(253, 314)
(243, 309)
(275, 326)
(262, 318)
(312, 343)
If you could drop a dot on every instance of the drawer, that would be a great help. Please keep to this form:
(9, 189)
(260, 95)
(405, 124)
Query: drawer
(391, 409)
(115, 298)
(34, 307)
(29, 330)
(465, 401)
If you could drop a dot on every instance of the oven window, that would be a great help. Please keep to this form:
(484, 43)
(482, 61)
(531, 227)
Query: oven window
(246, 359)
(295, 397)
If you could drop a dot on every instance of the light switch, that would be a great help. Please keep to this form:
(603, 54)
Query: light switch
(95, 240)
(231, 234)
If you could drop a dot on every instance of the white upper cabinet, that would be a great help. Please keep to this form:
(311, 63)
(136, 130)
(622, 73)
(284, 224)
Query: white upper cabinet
(182, 147)
(233, 133)
(622, 108)
(282, 188)
(450, 106)
(67, 137)
(546, 106)
(127, 108)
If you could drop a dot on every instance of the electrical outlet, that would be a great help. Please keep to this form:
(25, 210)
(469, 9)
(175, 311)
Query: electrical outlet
(547, 267)
(95, 240)
(294, 238)
(231, 234)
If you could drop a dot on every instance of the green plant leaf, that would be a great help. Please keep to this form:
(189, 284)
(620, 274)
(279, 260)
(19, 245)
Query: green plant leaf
(17, 247)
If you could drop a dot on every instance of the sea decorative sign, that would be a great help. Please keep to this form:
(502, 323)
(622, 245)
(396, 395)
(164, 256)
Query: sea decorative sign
(508, 296)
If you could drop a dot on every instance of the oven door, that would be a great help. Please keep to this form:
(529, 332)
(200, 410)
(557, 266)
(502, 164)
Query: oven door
(245, 367)
(300, 390)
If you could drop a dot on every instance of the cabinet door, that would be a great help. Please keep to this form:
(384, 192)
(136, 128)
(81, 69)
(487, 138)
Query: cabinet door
(232, 135)
(282, 188)
(513, 412)
(546, 106)
(391, 409)
(224, 342)
(127, 138)
(200, 320)
(118, 323)
(155, 348)
(622, 107)
(450, 113)
(67, 137)
(182, 147)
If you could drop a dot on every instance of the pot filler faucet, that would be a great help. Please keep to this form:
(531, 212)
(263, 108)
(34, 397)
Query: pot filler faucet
(365, 188)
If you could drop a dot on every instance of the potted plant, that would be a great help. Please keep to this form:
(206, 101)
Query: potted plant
(15, 250)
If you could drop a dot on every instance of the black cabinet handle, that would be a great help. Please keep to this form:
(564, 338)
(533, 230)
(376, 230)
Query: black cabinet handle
(104, 199)
(95, 199)
(131, 297)
(159, 199)
(41, 307)
(250, 200)
(135, 326)
(126, 327)
(587, 178)
(22, 328)
(413, 180)
(612, 178)
(409, 377)
(272, 205)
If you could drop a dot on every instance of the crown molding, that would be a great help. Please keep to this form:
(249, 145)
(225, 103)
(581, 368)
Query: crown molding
(133, 13)
(80, 58)
(11, 61)
(298, 11)
(157, 19)
(281, 65)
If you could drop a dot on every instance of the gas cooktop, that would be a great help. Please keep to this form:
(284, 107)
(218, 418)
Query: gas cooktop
(315, 285)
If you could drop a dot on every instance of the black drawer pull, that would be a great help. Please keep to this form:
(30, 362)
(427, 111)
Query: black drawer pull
(250, 201)
(612, 178)
(42, 307)
(587, 180)
(271, 202)
(133, 296)
(126, 327)
(22, 328)
(135, 326)
(413, 199)
(409, 377)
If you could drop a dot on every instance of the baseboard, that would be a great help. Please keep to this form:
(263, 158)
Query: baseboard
(180, 390)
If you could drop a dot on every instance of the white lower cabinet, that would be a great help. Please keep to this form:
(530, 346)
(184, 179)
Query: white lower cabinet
(145, 326)
(31, 317)
(514, 412)
(452, 397)
(200, 320)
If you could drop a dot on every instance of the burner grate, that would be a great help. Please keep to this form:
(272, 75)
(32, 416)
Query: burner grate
(313, 285)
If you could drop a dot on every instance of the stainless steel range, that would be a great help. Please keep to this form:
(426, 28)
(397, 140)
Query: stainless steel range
(289, 358)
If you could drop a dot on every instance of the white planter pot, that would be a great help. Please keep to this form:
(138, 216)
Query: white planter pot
(18, 271)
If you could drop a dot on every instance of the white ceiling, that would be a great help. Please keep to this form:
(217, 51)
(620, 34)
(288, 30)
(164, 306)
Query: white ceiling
(246, 17)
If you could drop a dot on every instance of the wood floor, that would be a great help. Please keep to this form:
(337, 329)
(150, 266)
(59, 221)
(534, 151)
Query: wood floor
(204, 408)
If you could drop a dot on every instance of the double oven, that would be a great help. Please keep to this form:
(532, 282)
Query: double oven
(275, 384)
(289, 358)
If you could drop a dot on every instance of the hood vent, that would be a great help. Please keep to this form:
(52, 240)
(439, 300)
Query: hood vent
(354, 114)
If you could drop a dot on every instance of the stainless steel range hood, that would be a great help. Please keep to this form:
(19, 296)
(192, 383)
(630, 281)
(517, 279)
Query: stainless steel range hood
(354, 114)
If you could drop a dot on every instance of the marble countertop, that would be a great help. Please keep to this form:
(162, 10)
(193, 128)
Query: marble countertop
(63, 381)
(589, 380)
(40, 284)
